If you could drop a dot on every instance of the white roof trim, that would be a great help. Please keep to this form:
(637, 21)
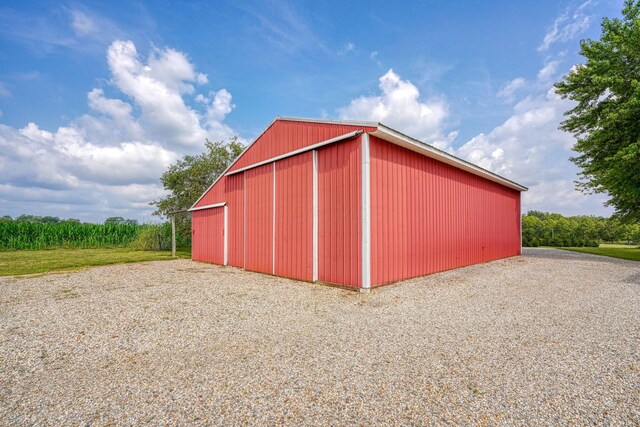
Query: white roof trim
(296, 152)
(216, 205)
(330, 121)
(412, 144)
(391, 136)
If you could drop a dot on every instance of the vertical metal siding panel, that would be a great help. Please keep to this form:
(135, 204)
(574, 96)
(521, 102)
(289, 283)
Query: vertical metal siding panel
(235, 203)
(339, 232)
(418, 220)
(374, 214)
(294, 214)
(385, 247)
(399, 214)
(392, 220)
(432, 217)
(342, 247)
(208, 235)
(259, 212)
(377, 197)
(356, 237)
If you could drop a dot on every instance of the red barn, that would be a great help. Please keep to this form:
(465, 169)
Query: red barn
(353, 203)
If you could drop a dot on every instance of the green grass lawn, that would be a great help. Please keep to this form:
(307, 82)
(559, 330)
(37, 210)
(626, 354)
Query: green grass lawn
(616, 251)
(13, 263)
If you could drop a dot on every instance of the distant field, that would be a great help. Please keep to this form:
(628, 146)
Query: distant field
(13, 263)
(616, 251)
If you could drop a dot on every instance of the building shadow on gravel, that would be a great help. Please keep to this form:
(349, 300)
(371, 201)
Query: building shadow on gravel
(634, 279)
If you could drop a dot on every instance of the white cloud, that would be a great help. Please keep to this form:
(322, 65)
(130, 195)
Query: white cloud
(82, 24)
(567, 26)
(157, 87)
(114, 108)
(220, 105)
(374, 57)
(530, 149)
(349, 47)
(508, 90)
(527, 147)
(549, 70)
(400, 106)
(109, 161)
(4, 92)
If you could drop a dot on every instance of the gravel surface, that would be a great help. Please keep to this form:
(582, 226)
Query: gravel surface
(552, 337)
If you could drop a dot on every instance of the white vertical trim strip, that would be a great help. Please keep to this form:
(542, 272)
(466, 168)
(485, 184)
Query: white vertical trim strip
(226, 235)
(366, 213)
(273, 224)
(244, 220)
(315, 216)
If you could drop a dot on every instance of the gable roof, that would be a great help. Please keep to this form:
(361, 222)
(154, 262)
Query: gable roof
(390, 135)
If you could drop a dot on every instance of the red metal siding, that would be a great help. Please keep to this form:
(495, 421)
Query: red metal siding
(259, 219)
(286, 136)
(282, 137)
(339, 213)
(234, 194)
(215, 195)
(294, 217)
(427, 216)
(208, 235)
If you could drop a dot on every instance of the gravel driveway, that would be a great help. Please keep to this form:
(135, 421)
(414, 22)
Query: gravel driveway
(552, 337)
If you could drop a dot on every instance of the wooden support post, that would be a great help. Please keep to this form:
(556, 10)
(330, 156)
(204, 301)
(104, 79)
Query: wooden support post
(173, 235)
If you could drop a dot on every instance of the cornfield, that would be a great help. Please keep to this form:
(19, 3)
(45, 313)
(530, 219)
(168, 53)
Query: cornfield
(30, 235)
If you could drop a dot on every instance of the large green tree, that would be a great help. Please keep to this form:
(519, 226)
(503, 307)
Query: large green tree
(606, 119)
(190, 176)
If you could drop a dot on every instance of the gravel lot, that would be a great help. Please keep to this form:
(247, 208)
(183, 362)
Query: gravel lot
(548, 338)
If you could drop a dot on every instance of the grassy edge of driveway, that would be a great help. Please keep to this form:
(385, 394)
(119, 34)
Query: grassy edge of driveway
(21, 262)
(627, 252)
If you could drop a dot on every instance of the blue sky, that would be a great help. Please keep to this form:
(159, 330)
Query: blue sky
(98, 98)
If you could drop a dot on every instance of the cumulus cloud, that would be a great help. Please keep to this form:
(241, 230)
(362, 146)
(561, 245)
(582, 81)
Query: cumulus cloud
(530, 149)
(400, 106)
(109, 160)
(527, 147)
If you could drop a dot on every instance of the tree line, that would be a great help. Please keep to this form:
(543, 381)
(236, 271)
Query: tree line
(552, 229)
